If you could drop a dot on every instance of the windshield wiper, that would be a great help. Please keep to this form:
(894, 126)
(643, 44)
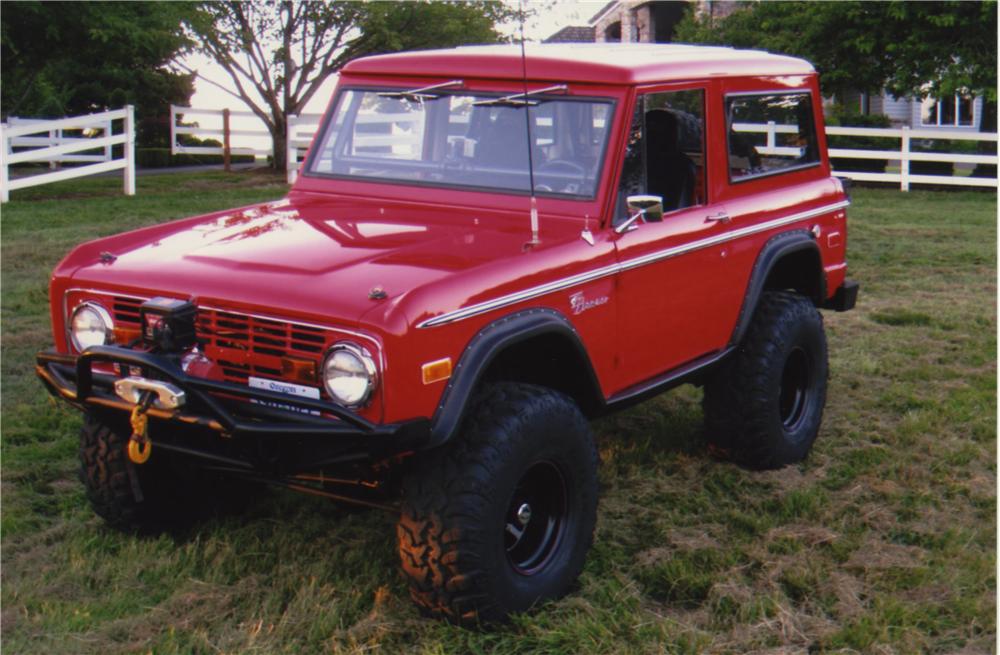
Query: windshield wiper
(521, 99)
(422, 93)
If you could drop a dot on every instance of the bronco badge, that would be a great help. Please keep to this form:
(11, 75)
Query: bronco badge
(581, 303)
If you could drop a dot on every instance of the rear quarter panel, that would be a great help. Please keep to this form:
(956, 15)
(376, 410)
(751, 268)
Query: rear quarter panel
(759, 200)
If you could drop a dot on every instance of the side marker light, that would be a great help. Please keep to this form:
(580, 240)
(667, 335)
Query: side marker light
(436, 371)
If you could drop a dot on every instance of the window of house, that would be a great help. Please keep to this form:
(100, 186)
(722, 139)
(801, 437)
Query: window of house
(770, 133)
(947, 112)
(665, 154)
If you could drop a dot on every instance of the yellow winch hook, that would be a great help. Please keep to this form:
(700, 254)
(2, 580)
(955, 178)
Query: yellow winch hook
(138, 452)
(140, 447)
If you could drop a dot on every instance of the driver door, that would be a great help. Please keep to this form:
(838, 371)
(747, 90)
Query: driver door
(675, 294)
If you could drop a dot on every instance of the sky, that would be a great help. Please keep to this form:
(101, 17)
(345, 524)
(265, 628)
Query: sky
(550, 16)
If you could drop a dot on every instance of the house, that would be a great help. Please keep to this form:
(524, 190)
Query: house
(642, 21)
(573, 34)
(639, 21)
(957, 113)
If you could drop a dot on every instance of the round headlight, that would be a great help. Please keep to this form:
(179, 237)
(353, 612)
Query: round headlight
(349, 374)
(90, 326)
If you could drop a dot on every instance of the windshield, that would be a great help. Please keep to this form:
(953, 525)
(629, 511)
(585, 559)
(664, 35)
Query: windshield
(466, 140)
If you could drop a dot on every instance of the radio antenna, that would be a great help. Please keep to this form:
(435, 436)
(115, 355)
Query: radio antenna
(527, 126)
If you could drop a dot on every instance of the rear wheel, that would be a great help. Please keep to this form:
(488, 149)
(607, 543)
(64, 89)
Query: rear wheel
(502, 517)
(763, 407)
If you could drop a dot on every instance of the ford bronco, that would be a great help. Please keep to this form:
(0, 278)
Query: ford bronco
(485, 248)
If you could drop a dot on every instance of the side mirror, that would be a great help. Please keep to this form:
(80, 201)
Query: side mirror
(649, 208)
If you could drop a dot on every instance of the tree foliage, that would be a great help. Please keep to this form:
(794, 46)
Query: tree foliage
(64, 58)
(278, 54)
(909, 48)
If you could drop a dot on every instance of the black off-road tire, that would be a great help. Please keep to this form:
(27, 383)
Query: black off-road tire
(462, 507)
(125, 495)
(764, 406)
(167, 491)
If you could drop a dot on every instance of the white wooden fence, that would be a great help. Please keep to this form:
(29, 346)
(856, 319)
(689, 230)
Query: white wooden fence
(904, 155)
(300, 132)
(217, 133)
(59, 137)
(35, 140)
(301, 129)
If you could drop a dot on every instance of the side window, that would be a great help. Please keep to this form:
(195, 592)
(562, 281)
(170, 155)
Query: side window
(770, 133)
(633, 181)
(665, 154)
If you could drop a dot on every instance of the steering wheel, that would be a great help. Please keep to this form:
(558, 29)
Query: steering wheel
(564, 166)
(554, 166)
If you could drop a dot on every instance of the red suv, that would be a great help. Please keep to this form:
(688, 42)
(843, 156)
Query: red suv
(485, 248)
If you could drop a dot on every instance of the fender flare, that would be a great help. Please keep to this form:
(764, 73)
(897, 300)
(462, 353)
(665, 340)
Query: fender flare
(773, 251)
(484, 347)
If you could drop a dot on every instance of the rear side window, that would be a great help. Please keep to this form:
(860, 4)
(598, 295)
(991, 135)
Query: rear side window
(770, 133)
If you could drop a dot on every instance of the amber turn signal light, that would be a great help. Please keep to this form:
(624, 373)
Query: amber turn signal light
(300, 370)
(436, 371)
(124, 335)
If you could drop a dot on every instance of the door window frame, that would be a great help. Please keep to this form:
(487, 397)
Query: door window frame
(707, 89)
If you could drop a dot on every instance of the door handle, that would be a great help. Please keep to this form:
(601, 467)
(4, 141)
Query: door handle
(721, 217)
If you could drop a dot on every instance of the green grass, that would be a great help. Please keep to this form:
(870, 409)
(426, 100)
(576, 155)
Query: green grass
(883, 541)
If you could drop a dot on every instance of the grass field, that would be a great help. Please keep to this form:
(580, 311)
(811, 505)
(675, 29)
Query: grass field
(882, 542)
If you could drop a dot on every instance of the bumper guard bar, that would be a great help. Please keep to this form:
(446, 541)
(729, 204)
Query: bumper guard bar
(219, 406)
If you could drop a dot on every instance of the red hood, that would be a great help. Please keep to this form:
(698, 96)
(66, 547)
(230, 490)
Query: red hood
(308, 256)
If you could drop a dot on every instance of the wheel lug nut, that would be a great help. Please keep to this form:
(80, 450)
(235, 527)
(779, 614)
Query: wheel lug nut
(524, 513)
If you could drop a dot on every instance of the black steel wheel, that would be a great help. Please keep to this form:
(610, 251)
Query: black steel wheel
(535, 520)
(502, 517)
(794, 395)
(764, 406)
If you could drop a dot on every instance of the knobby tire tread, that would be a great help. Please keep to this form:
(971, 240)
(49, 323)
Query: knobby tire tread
(440, 558)
(735, 399)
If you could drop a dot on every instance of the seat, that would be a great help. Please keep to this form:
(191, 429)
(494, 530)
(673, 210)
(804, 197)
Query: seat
(670, 173)
(504, 142)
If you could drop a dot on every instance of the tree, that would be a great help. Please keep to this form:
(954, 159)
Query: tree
(61, 58)
(909, 48)
(278, 54)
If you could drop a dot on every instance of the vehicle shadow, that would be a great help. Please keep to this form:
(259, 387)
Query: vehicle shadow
(657, 430)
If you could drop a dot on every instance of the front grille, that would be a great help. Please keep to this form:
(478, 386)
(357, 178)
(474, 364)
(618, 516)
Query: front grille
(249, 345)
(125, 311)
(243, 345)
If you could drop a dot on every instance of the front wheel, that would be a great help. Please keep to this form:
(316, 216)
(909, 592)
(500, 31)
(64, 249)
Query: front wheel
(764, 406)
(502, 517)
(125, 495)
(166, 491)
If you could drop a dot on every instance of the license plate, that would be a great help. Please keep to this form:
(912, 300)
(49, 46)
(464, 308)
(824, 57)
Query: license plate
(284, 387)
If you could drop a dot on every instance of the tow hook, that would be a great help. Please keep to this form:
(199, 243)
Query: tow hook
(140, 447)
